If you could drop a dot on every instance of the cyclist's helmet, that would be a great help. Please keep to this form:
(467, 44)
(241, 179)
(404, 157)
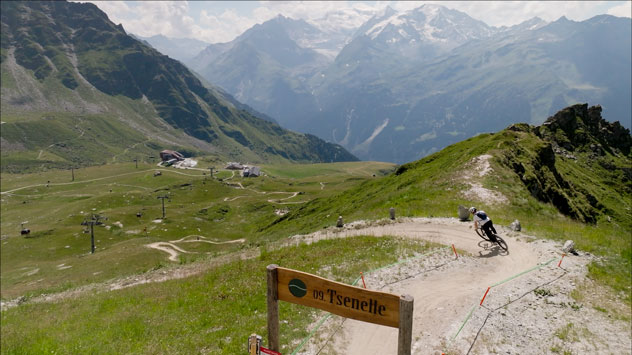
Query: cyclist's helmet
(472, 210)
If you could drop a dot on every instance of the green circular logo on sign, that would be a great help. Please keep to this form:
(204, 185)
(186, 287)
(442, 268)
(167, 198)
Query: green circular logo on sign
(297, 288)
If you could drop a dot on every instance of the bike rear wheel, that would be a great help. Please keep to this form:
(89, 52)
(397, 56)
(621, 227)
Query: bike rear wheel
(482, 234)
(501, 242)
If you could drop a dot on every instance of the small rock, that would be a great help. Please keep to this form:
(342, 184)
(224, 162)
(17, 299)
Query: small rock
(339, 223)
(515, 225)
(464, 213)
(569, 247)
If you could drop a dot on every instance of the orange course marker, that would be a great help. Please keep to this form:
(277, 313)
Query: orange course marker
(362, 275)
(454, 249)
(485, 295)
(560, 263)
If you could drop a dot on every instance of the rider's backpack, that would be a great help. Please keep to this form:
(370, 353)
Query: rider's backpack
(482, 215)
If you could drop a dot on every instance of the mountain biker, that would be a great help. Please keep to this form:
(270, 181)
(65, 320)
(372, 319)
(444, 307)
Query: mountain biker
(486, 224)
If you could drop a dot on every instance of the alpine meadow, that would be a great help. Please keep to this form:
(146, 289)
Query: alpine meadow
(314, 185)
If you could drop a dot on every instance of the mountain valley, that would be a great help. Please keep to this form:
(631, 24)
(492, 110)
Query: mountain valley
(408, 84)
(106, 249)
(104, 96)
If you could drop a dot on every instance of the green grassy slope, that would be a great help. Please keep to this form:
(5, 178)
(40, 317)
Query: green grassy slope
(67, 69)
(210, 313)
(199, 205)
(579, 193)
(585, 196)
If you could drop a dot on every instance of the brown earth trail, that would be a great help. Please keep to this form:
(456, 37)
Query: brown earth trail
(446, 289)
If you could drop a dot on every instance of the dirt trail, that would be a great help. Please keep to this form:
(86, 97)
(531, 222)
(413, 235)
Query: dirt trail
(514, 319)
(440, 298)
(174, 251)
(445, 290)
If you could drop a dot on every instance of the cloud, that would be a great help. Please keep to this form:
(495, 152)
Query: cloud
(216, 24)
(223, 28)
(623, 10)
(148, 18)
(169, 18)
(324, 14)
(116, 10)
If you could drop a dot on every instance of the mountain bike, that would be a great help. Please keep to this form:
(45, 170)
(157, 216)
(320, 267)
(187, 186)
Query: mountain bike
(500, 241)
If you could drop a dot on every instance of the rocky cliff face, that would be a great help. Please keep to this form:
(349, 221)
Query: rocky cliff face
(583, 129)
(549, 162)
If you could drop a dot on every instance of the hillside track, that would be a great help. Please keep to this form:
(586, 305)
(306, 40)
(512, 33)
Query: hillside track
(174, 251)
(444, 297)
(446, 290)
(445, 294)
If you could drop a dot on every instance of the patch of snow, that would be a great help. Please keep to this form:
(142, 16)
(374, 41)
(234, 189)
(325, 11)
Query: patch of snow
(364, 146)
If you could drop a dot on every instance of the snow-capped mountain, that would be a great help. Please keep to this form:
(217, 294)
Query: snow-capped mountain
(407, 84)
(336, 27)
(528, 25)
(426, 31)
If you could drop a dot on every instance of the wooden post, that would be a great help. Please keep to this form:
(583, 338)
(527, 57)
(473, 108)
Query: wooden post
(273, 307)
(405, 338)
(392, 212)
(254, 345)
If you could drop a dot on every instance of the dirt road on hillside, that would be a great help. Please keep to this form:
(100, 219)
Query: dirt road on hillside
(529, 311)
(446, 290)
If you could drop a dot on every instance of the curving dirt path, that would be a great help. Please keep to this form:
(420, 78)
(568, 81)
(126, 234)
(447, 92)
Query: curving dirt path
(440, 298)
(453, 291)
(514, 319)
(174, 251)
(446, 290)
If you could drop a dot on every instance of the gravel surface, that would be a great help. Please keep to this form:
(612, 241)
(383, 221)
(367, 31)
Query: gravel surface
(528, 310)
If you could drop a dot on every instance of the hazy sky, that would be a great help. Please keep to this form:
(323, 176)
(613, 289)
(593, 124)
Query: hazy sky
(222, 21)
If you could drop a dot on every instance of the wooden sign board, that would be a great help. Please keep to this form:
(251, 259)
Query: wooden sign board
(338, 298)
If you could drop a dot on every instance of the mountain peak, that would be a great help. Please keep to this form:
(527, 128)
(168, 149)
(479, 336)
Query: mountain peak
(579, 127)
(429, 8)
(531, 24)
(386, 12)
(428, 23)
(563, 19)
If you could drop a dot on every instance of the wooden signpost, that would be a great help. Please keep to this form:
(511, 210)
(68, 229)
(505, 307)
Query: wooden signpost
(337, 298)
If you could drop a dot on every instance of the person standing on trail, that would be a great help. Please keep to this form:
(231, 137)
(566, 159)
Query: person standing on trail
(486, 224)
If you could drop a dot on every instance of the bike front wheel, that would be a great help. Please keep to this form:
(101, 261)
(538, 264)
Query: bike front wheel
(501, 242)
